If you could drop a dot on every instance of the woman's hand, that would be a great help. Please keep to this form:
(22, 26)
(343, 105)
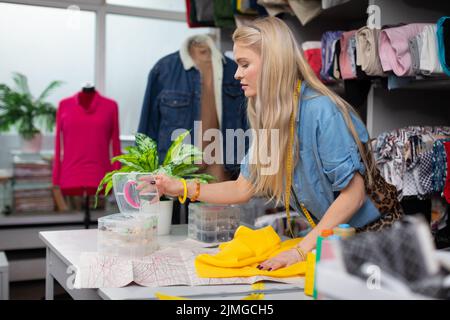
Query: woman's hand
(284, 259)
(166, 186)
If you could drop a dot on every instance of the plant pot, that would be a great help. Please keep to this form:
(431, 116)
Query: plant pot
(33, 145)
(165, 217)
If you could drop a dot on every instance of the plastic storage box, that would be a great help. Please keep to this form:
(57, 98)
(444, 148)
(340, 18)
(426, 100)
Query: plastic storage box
(132, 232)
(132, 236)
(213, 223)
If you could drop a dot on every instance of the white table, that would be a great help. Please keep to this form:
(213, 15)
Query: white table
(64, 249)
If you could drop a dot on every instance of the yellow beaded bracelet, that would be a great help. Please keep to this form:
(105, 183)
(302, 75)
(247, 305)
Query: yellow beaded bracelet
(183, 199)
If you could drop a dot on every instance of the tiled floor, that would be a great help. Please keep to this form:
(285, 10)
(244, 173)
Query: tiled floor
(34, 290)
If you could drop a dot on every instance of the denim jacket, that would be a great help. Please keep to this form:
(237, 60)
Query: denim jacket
(172, 101)
(329, 157)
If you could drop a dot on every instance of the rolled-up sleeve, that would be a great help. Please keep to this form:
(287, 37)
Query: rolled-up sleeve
(338, 150)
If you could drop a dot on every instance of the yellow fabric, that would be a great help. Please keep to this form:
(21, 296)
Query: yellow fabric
(254, 296)
(251, 296)
(309, 276)
(241, 256)
(258, 286)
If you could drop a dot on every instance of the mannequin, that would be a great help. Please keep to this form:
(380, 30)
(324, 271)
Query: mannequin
(201, 55)
(87, 137)
(86, 96)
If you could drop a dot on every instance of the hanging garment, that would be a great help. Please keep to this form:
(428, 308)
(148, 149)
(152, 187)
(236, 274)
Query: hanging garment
(336, 67)
(313, 54)
(327, 4)
(241, 256)
(204, 12)
(394, 48)
(428, 51)
(426, 171)
(447, 179)
(367, 55)
(443, 36)
(173, 100)
(409, 184)
(400, 150)
(192, 15)
(86, 139)
(248, 7)
(306, 10)
(347, 59)
(439, 165)
(328, 39)
(223, 14)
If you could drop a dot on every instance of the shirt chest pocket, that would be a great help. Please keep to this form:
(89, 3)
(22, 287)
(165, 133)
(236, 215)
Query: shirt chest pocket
(175, 109)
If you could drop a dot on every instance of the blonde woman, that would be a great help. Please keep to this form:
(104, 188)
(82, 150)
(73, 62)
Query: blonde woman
(330, 166)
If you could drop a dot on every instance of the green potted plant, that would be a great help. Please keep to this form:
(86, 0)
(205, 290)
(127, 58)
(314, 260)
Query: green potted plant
(143, 157)
(19, 108)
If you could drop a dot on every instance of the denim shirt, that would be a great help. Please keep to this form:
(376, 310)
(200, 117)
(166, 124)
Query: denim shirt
(329, 157)
(172, 101)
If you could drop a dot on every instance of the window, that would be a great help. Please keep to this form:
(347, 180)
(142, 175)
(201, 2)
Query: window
(133, 46)
(47, 44)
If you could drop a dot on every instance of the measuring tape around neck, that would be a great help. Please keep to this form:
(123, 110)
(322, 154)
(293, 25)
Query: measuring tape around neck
(289, 169)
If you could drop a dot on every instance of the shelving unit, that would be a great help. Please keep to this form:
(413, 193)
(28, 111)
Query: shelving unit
(419, 102)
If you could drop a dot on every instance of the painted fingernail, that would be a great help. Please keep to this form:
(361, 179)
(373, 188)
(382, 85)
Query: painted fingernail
(259, 267)
(270, 269)
(153, 182)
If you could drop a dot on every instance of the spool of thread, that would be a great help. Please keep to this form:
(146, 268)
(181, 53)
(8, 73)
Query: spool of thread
(344, 231)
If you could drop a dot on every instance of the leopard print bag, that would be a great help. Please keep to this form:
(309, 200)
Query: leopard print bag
(385, 198)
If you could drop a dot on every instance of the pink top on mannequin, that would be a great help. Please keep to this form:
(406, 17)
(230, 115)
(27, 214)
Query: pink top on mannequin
(87, 137)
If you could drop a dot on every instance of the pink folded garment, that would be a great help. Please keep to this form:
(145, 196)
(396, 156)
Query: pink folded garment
(394, 48)
(347, 60)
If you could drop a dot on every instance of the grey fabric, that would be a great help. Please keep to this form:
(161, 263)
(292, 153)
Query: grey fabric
(204, 10)
(415, 54)
(275, 7)
(426, 171)
(306, 10)
(327, 4)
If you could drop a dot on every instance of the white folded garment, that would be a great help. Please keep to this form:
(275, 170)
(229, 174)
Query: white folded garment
(428, 50)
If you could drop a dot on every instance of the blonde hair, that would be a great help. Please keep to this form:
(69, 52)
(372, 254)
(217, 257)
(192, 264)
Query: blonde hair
(282, 65)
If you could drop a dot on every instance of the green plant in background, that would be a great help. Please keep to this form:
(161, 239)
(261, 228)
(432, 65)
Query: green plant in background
(178, 163)
(19, 108)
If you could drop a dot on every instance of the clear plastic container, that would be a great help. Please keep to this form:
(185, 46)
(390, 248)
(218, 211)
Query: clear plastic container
(213, 223)
(129, 199)
(132, 236)
(133, 232)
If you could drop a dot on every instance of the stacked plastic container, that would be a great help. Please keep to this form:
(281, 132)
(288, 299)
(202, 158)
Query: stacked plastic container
(132, 232)
(213, 223)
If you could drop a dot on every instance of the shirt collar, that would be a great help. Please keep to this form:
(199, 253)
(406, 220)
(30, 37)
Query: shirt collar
(186, 58)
